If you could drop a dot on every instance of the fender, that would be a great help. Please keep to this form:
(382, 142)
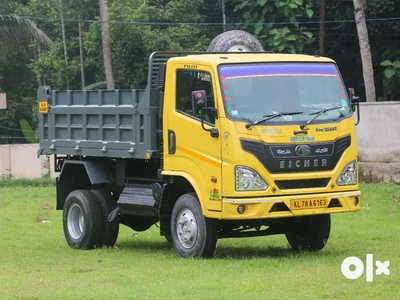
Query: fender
(196, 188)
(76, 174)
(98, 172)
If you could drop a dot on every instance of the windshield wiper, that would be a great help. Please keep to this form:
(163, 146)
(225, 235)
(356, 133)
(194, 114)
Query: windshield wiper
(269, 117)
(318, 113)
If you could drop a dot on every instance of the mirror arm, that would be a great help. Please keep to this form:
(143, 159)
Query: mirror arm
(214, 111)
(213, 131)
(355, 101)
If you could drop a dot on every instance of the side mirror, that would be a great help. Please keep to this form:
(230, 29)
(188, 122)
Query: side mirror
(353, 99)
(199, 101)
(199, 104)
(355, 103)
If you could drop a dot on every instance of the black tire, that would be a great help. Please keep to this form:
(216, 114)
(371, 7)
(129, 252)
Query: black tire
(309, 233)
(235, 41)
(82, 220)
(192, 234)
(107, 204)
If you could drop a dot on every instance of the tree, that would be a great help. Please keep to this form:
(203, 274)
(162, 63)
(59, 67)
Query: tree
(81, 53)
(365, 50)
(81, 10)
(15, 31)
(223, 11)
(322, 27)
(103, 4)
(131, 54)
(16, 36)
(64, 38)
(265, 16)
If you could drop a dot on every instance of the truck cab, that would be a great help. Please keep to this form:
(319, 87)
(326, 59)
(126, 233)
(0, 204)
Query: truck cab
(275, 138)
(282, 155)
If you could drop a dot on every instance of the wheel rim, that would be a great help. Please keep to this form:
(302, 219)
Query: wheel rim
(239, 48)
(75, 221)
(186, 228)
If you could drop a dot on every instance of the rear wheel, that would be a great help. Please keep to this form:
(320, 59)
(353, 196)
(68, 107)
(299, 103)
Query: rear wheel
(109, 234)
(309, 233)
(82, 220)
(192, 234)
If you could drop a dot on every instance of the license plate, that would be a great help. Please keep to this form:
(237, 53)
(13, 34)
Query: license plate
(43, 108)
(308, 203)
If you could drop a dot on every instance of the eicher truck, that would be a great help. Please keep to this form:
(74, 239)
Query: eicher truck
(233, 142)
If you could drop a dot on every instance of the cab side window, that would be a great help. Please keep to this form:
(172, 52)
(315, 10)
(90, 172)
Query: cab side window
(189, 81)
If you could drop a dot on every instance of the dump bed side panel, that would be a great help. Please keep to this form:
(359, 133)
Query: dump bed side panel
(97, 123)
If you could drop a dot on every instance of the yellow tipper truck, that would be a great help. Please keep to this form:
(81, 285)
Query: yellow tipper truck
(219, 145)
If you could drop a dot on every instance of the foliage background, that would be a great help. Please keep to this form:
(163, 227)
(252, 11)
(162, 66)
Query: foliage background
(139, 27)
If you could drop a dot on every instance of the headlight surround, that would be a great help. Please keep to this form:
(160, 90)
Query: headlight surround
(348, 175)
(248, 180)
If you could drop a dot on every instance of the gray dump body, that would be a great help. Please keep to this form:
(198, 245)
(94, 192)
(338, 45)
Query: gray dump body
(98, 123)
(105, 123)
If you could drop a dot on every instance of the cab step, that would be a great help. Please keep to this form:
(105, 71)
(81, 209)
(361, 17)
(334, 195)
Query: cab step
(137, 201)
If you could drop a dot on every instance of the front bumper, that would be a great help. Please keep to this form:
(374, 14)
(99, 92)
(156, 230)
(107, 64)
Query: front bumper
(282, 206)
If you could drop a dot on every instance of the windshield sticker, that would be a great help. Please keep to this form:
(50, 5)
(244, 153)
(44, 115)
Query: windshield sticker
(344, 95)
(292, 69)
(302, 139)
(225, 87)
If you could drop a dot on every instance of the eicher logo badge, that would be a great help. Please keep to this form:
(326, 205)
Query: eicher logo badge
(302, 150)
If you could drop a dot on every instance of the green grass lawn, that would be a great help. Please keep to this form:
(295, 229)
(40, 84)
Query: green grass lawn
(36, 262)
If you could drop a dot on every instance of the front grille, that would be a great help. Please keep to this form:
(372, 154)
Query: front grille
(302, 183)
(283, 158)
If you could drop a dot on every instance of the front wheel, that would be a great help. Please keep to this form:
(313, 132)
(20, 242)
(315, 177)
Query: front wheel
(82, 220)
(309, 233)
(192, 234)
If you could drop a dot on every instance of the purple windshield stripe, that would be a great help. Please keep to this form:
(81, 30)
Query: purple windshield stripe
(266, 69)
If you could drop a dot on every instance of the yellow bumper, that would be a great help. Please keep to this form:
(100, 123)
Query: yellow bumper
(290, 206)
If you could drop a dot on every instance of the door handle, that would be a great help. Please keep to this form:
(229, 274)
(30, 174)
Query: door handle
(171, 142)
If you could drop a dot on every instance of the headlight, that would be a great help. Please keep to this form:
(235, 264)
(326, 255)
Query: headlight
(348, 175)
(248, 180)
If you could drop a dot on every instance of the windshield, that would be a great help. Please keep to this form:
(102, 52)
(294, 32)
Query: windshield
(252, 91)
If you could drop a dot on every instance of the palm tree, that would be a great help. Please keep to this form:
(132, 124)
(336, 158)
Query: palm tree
(15, 30)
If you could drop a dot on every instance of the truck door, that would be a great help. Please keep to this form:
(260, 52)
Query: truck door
(191, 149)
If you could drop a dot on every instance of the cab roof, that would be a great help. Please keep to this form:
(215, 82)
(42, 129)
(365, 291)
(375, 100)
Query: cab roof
(218, 58)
